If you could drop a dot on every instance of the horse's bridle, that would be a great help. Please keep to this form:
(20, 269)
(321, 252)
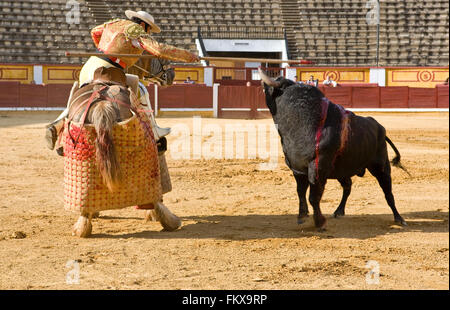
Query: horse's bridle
(161, 75)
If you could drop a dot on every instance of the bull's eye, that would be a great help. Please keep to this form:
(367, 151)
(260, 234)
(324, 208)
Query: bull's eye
(164, 76)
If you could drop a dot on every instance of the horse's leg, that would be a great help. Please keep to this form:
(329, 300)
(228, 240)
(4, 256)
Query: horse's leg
(83, 226)
(346, 184)
(151, 216)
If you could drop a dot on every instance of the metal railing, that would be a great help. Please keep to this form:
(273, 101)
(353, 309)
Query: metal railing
(241, 32)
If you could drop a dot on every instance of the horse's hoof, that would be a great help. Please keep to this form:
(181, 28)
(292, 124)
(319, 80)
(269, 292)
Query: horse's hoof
(82, 228)
(321, 229)
(300, 221)
(168, 220)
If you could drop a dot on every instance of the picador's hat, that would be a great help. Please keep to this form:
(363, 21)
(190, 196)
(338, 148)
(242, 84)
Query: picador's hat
(144, 16)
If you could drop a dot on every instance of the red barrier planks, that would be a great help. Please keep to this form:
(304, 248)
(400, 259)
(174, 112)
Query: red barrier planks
(339, 95)
(365, 97)
(197, 96)
(394, 97)
(9, 94)
(422, 98)
(171, 97)
(32, 95)
(234, 102)
(442, 96)
(58, 94)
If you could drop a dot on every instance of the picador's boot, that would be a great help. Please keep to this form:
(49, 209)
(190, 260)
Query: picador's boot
(52, 130)
(158, 132)
(51, 133)
(51, 136)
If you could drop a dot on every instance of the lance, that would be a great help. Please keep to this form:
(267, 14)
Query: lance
(262, 60)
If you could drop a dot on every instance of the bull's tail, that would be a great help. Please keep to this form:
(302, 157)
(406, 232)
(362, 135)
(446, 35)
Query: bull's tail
(396, 160)
(103, 119)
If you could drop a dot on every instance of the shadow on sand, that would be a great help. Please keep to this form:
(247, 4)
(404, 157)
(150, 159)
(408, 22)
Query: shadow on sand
(21, 118)
(251, 227)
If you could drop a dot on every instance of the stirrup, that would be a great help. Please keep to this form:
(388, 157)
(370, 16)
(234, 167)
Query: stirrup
(51, 137)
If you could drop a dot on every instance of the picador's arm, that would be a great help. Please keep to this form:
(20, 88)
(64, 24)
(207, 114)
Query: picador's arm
(166, 51)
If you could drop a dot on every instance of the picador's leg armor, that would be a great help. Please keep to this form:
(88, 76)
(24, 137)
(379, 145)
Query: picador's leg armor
(158, 132)
(53, 129)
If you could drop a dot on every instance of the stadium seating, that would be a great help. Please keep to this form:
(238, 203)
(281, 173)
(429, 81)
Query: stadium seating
(329, 32)
(36, 31)
(335, 32)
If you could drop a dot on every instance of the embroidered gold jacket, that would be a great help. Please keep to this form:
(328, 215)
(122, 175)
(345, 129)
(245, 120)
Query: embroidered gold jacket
(121, 36)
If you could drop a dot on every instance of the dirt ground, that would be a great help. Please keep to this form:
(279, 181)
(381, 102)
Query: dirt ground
(239, 222)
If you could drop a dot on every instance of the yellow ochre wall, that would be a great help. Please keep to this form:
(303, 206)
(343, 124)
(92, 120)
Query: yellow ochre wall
(395, 76)
(340, 75)
(196, 74)
(16, 73)
(54, 74)
(60, 74)
(416, 77)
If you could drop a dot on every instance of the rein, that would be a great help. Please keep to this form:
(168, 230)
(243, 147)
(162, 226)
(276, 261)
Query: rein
(161, 72)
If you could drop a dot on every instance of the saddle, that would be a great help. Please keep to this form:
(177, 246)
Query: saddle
(110, 76)
(107, 84)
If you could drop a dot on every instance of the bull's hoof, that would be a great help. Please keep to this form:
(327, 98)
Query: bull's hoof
(300, 221)
(401, 221)
(302, 215)
(337, 213)
(320, 223)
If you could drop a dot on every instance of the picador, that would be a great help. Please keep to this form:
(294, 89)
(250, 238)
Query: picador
(113, 149)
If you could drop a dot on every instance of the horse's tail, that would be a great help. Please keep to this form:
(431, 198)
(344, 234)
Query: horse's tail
(396, 160)
(103, 118)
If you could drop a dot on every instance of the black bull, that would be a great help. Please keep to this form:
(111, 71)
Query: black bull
(321, 141)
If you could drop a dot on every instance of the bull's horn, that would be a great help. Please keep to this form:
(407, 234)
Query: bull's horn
(268, 80)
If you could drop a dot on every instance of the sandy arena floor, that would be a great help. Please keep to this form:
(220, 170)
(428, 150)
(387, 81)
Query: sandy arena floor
(239, 223)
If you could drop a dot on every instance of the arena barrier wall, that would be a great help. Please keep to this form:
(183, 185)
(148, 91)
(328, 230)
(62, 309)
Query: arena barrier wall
(233, 101)
(248, 102)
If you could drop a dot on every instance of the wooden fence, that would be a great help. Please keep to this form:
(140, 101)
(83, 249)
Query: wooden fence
(235, 101)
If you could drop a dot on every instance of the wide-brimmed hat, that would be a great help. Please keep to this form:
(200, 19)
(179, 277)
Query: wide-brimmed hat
(144, 16)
